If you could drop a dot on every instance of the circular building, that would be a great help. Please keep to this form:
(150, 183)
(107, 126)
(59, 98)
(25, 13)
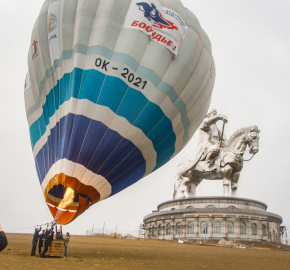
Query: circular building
(213, 218)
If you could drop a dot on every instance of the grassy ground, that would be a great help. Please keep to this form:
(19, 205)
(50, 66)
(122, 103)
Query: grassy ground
(90, 252)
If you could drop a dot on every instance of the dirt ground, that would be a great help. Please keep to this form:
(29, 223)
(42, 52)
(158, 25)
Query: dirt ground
(91, 252)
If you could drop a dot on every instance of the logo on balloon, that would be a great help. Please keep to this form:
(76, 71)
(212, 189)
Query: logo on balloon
(151, 13)
(34, 44)
(52, 22)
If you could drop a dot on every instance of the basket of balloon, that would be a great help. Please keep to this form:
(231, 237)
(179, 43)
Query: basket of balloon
(55, 249)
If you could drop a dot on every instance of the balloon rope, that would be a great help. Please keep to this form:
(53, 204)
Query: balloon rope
(31, 227)
(21, 229)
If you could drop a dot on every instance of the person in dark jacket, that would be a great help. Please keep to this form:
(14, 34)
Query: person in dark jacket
(35, 240)
(46, 233)
(48, 240)
(3, 240)
(40, 243)
(58, 235)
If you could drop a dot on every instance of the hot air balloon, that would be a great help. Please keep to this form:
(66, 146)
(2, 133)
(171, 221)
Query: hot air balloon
(114, 90)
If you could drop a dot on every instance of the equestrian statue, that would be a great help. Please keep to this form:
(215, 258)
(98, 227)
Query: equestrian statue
(216, 157)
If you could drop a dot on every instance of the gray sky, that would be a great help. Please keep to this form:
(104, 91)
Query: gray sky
(250, 41)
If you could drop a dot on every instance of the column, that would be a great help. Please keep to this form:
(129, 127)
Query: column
(173, 228)
(157, 230)
(224, 227)
(184, 231)
(259, 230)
(210, 232)
(249, 231)
(197, 227)
(278, 233)
(213, 221)
(238, 229)
(149, 230)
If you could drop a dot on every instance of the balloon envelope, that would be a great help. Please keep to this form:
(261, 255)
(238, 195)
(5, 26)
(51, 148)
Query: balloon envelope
(114, 90)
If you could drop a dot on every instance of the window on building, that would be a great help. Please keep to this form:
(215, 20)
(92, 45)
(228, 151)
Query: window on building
(159, 230)
(189, 207)
(190, 227)
(203, 227)
(231, 228)
(172, 209)
(153, 231)
(243, 228)
(264, 230)
(210, 206)
(232, 208)
(274, 236)
(217, 228)
(254, 229)
(168, 229)
(178, 228)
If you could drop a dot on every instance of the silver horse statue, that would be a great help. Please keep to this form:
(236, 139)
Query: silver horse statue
(215, 158)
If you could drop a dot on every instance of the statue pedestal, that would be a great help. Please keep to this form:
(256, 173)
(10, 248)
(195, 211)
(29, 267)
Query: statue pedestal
(213, 218)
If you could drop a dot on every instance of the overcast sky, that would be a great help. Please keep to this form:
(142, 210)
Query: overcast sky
(250, 41)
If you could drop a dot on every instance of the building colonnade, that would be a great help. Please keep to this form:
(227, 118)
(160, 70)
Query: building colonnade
(212, 227)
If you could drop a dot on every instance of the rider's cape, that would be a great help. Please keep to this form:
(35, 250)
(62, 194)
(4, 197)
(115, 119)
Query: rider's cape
(208, 137)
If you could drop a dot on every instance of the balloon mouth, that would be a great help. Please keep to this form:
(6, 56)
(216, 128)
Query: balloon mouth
(66, 205)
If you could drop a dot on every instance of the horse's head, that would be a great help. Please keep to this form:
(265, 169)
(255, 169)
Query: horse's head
(253, 140)
(243, 137)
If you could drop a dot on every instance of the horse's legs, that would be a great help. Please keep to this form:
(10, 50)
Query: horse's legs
(180, 187)
(227, 173)
(226, 184)
(192, 186)
(234, 183)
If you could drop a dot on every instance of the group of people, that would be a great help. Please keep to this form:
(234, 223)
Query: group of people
(47, 236)
(3, 240)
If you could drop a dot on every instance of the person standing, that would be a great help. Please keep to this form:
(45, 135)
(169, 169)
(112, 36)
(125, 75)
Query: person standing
(58, 235)
(35, 240)
(48, 240)
(46, 233)
(40, 243)
(66, 240)
(3, 239)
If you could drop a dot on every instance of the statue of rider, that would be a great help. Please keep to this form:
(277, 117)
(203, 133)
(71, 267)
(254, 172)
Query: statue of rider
(208, 144)
(210, 137)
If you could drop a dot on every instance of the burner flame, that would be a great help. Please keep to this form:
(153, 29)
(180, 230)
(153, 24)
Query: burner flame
(67, 198)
